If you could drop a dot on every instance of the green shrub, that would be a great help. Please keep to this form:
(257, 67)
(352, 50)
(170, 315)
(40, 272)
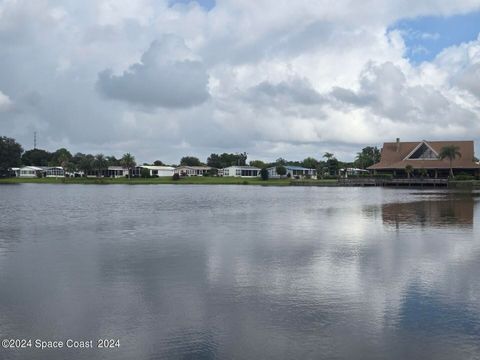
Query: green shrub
(464, 177)
(264, 174)
(176, 177)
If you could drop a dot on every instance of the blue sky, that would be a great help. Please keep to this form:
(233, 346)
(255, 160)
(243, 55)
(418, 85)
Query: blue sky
(207, 4)
(425, 37)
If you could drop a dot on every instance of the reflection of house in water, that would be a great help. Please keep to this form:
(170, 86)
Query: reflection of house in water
(444, 212)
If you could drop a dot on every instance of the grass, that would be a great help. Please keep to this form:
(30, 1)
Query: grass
(194, 180)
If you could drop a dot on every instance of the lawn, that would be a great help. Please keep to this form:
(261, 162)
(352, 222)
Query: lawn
(166, 180)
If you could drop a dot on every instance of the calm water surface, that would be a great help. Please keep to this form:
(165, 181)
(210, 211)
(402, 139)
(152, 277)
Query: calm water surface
(243, 272)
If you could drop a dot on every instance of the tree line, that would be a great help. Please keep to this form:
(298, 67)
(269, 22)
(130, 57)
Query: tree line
(13, 155)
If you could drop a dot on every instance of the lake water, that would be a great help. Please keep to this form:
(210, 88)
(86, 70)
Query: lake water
(243, 272)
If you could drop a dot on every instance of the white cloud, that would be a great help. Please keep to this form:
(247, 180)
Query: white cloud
(5, 102)
(273, 78)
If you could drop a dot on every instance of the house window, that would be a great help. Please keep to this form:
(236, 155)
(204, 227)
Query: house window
(424, 153)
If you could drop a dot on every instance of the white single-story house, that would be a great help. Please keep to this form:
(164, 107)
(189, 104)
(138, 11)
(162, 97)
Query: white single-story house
(34, 171)
(241, 171)
(29, 171)
(352, 172)
(54, 171)
(154, 170)
(116, 171)
(192, 170)
(15, 170)
(293, 172)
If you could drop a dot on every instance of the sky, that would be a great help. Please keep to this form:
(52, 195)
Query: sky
(164, 79)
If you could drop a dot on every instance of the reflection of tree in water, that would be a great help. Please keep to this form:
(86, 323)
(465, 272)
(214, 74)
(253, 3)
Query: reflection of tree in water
(443, 212)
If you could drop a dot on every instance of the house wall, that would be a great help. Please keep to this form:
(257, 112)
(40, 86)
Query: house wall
(236, 171)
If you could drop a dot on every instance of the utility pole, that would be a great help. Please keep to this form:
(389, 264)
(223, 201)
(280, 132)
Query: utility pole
(34, 139)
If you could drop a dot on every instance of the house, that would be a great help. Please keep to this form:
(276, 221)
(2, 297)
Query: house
(240, 171)
(36, 171)
(423, 156)
(353, 172)
(192, 170)
(54, 171)
(154, 170)
(29, 171)
(293, 172)
(116, 171)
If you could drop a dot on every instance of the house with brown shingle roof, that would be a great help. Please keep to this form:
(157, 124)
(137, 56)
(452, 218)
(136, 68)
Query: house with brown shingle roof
(423, 156)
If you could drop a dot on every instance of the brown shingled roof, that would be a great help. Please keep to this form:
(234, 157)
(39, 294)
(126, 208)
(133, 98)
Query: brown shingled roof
(391, 158)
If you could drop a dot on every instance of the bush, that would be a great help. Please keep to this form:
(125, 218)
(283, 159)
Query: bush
(176, 177)
(145, 173)
(464, 177)
(264, 174)
(329, 177)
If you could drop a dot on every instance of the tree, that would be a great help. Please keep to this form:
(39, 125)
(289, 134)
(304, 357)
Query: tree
(60, 157)
(332, 163)
(310, 163)
(264, 174)
(367, 157)
(328, 156)
(214, 161)
(450, 152)
(281, 170)
(36, 157)
(10, 154)
(409, 170)
(225, 160)
(85, 162)
(257, 163)
(158, 163)
(128, 161)
(100, 163)
(190, 161)
(281, 161)
(112, 161)
(69, 167)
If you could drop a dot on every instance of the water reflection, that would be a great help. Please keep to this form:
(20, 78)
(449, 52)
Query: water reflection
(270, 273)
(453, 211)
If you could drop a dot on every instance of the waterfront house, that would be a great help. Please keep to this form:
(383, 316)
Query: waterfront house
(423, 157)
(192, 170)
(154, 170)
(240, 171)
(116, 171)
(293, 172)
(346, 172)
(36, 171)
(29, 171)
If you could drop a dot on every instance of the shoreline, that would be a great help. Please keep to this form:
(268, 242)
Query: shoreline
(468, 184)
(162, 181)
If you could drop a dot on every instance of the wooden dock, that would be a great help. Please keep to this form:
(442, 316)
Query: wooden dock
(413, 182)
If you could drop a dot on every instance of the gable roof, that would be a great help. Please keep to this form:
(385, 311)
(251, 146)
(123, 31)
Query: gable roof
(396, 156)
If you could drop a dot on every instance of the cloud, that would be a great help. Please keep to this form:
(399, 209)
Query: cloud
(5, 102)
(294, 91)
(158, 80)
(270, 78)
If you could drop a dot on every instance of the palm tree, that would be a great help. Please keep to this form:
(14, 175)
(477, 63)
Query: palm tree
(100, 163)
(328, 155)
(408, 170)
(450, 152)
(128, 161)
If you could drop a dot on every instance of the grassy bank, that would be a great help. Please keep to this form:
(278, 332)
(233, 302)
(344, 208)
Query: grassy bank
(162, 180)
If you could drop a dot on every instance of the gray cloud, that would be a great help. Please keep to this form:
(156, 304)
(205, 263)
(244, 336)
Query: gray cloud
(296, 91)
(158, 82)
(470, 80)
(384, 90)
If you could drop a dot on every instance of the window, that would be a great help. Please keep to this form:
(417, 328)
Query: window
(423, 152)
